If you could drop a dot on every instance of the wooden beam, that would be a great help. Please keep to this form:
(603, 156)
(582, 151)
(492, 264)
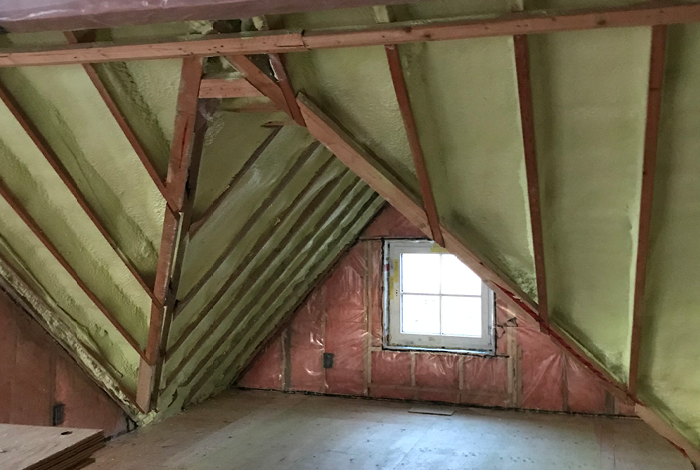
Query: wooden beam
(259, 79)
(278, 67)
(122, 123)
(58, 167)
(280, 218)
(183, 171)
(527, 121)
(39, 233)
(355, 157)
(197, 225)
(228, 88)
(651, 138)
(409, 122)
(509, 24)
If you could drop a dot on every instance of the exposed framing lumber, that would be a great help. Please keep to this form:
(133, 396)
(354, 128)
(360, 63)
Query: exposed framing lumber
(527, 121)
(278, 67)
(21, 292)
(123, 123)
(39, 233)
(651, 138)
(259, 245)
(280, 71)
(246, 339)
(199, 223)
(529, 22)
(183, 172)
(260, 80)
(409, 121)
(228, 88)
(305, 255)
(43, 146)
(370, 170)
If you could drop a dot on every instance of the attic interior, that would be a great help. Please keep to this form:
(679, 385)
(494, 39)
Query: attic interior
(222, 223)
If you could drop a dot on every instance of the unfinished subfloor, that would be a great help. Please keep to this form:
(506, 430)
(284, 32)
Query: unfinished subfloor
(272, 430)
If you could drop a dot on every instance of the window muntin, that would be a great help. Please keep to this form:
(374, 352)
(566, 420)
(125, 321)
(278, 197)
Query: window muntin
(433, 300)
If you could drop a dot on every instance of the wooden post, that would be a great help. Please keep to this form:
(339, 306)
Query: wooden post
(183, 171)
(651, 138)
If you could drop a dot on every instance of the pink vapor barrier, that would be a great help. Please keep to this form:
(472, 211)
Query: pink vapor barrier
(343, 317)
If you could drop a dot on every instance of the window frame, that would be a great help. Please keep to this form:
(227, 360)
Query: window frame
(393, 338)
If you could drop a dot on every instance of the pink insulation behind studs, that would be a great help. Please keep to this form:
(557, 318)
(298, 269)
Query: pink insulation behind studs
(344, 317)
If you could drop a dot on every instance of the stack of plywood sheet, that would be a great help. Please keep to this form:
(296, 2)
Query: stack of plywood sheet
(47, 448)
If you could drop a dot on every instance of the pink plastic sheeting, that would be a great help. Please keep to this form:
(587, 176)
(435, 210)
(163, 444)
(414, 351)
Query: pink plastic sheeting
(44, 15)
(267, 373)
(343, 316)
(346, 324)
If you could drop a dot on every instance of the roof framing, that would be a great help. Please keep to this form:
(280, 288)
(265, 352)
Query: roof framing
(183, 171)
(123, 123)
(43, 146)
(527, 121)
(530, 22)
(409, 121)
(651, 138)
(364, 165)
(39, 233)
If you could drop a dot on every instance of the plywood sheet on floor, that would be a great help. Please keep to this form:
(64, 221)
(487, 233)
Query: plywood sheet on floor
(43, 447)
(273, 430)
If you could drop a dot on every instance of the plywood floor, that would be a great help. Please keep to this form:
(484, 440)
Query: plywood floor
(271, 430)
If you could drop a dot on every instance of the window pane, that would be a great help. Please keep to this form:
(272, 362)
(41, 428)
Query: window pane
(457, 278)
(461, 316)
(420, 314)
(420, 273)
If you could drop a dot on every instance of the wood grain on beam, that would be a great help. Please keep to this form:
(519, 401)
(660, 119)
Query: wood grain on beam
(58, 167)
(409, 122)
(228, 88)
(39, 233)
(260, 80)
(123, 123)
(527, 121)
(510, 24)
(651, 138)
(278, 67)
(183, 172)
(355, 157)
(197, 225)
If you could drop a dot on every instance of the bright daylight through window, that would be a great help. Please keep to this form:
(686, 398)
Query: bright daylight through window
(434, 301)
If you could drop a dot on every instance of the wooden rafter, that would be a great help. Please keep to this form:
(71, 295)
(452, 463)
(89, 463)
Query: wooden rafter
(409, 121)
(355, 157)
(260, 81)
(199, 223)
(44, 239)
(58, 167)
(278, 67)
(123, 123)
(651, 138)
(527, 121)
(183, 171)
(262, 209)
(228, 88)
(529, 22)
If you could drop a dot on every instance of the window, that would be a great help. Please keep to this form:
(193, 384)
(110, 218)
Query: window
(434, 301)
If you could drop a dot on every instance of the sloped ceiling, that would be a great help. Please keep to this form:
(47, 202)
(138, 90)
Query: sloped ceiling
(283, 207)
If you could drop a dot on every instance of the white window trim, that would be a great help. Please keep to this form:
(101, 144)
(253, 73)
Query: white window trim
(394, 339)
